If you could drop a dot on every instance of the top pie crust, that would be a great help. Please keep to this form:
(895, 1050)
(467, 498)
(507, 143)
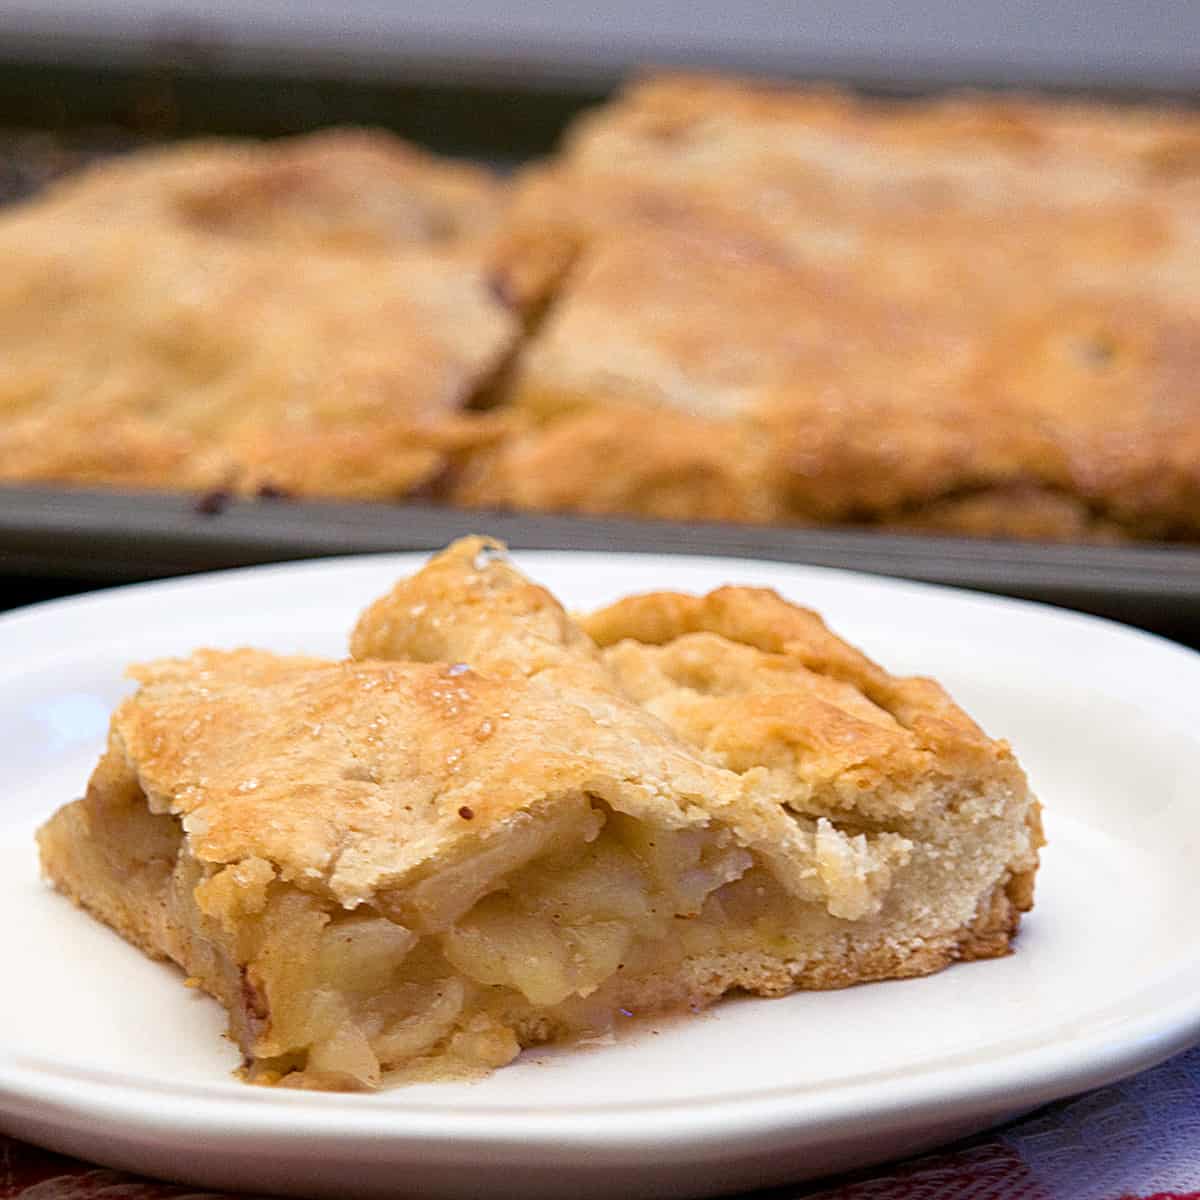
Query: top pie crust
(314, 315)
(720, 300)
(340, 189)
(967, 314)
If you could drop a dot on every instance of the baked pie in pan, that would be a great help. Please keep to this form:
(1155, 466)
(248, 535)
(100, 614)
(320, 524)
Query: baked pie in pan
(720, 300)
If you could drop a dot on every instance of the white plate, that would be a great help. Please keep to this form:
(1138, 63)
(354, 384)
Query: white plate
(105, 1055)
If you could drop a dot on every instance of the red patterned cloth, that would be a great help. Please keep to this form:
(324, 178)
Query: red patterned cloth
(1137, 1140)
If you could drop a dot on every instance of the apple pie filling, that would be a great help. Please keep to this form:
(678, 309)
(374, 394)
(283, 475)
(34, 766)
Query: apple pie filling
(545, 935)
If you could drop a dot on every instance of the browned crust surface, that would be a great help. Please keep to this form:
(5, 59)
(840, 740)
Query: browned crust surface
(1027, 371)
(350, 778)
(340, 189)
(721, 300)
(315, 315)
(763, 687)
(973, 315)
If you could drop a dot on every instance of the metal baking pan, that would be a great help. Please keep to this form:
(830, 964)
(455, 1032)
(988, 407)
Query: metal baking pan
(91, 537)
(52, 534)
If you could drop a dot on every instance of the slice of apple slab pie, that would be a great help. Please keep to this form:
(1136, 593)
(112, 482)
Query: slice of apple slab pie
(496, 826)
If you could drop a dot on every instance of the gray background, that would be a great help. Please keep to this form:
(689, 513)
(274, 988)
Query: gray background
(1117, 42)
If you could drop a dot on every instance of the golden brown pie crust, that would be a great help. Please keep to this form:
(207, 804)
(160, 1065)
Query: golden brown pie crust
(975, 315)
(720, 300)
